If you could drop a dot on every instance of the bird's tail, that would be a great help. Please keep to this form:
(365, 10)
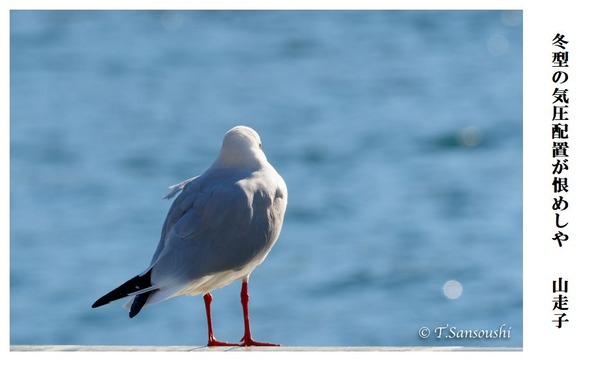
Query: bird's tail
(140, 286)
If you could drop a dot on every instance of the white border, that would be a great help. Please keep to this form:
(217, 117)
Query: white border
(550, 357)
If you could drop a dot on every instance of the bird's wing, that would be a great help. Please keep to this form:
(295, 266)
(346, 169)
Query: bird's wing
(214, 225)
(178, 187)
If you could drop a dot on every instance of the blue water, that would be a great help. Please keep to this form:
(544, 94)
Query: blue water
(399, 135)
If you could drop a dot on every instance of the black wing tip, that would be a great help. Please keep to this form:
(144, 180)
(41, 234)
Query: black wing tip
(126, 289)
(101, 301)
(138, 303)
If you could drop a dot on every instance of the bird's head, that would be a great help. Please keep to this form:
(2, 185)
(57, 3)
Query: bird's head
(241, 147)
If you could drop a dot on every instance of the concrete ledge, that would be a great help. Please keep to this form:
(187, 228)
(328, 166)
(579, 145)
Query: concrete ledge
(187, 348)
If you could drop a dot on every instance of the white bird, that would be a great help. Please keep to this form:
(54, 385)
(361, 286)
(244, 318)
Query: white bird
(219, 229)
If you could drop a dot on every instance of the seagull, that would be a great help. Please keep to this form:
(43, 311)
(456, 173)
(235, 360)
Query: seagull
(218, 230)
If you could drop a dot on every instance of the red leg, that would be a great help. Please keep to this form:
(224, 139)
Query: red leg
(212, 342)
(247, 339)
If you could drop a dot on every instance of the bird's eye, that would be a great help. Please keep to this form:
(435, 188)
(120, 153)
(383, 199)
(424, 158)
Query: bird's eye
(260, 145)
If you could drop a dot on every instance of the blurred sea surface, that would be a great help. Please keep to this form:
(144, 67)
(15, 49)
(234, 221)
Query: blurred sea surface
(399, 134)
